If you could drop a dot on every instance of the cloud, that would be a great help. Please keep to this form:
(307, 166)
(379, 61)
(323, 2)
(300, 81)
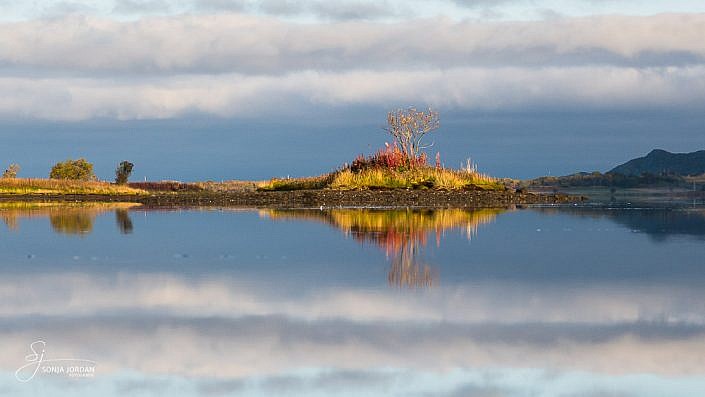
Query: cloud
(236, 43)
(236, 95)
(339, 10)
(237, 65)
(221, 5)
(141, 6)
(483, 3)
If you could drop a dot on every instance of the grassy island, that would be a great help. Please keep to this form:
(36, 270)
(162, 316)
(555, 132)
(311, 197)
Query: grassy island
(401, 165)
(398, 175)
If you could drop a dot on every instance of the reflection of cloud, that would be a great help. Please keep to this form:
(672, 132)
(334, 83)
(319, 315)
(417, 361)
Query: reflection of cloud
(78, 294)
(619, 328)
(197, 346)
(498, 382)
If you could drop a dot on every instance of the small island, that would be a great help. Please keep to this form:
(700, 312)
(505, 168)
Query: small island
(398, 175)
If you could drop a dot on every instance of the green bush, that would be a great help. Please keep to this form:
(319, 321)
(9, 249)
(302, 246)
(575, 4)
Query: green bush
(80, 170)
(123, 171)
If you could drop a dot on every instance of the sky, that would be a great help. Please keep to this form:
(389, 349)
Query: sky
(218, 89)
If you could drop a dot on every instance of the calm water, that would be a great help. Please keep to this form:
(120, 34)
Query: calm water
(530, 302)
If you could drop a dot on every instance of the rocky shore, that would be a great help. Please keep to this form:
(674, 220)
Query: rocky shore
(318, 198)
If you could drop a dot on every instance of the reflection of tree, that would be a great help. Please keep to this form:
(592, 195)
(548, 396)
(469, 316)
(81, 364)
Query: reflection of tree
(401, 233)
(72, 221)
(10, 220)
(122, 217)
(76, 219)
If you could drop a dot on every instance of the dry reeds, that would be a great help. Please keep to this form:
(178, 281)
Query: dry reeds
(63, 186)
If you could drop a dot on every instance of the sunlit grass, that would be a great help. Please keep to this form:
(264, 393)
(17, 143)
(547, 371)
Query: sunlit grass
(314, 182)
(384, 178)
(416, 178)
(61, 186)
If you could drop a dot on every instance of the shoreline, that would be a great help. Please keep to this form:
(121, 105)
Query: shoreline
(316, 198)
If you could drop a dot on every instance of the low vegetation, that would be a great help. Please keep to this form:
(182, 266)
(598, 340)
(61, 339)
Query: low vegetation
(594, 179)
(165, 186)
(379, 178)
(314, 182)
(416, 178)
(62, 186)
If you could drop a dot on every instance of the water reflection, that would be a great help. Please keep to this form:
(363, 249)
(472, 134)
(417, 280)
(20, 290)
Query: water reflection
(657, 223)
(66, 218)
(554, 313)
(402, 234)
(122, 217)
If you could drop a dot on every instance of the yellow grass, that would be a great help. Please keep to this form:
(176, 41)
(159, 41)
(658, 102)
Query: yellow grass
(419, 178)
(60, 186)
(382, 178)
(314, 182)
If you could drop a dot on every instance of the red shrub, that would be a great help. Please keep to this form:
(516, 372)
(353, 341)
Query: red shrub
(390, 157)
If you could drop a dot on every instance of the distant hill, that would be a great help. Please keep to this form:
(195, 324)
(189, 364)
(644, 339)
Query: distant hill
(660, 162)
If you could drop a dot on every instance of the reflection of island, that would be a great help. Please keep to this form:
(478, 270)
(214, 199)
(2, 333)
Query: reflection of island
(75, 219)
(401, 233)
(658, 223)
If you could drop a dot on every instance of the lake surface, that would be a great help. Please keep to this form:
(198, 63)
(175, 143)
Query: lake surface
(577, 301)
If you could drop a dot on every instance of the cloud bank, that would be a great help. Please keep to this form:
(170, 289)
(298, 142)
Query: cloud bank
(154, 323)
(237, 65)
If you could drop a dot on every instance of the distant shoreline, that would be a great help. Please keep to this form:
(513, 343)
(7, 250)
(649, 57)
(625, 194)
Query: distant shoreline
(326, 198)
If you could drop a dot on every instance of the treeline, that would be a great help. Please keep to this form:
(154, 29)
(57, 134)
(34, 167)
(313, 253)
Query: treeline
(76, 170)
(587, 179)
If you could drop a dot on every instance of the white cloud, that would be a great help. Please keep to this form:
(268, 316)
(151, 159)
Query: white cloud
(81, 67)
(261, 45)
(237, 95)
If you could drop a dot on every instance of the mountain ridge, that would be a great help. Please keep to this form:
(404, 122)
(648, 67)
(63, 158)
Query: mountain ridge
(662, 162)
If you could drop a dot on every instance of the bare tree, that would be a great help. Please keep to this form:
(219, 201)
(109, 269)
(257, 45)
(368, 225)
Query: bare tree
(408, 127)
